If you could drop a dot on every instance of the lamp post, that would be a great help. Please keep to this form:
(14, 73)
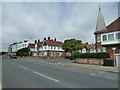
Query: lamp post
(114, 55)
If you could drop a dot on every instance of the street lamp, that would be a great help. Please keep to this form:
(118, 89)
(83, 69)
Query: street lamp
(114, 55)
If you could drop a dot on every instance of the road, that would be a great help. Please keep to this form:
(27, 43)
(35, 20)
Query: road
(19, 73)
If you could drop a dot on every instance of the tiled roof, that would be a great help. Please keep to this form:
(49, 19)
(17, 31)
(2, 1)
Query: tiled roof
(88, 46)
(40, 44)
(114, 26)
(31, 45)
(53, 43)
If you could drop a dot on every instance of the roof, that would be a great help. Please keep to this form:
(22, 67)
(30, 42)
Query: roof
(53, 43)
(39, 44)
(100, 27)
(114, 26)
(88, 46)
(31, 45)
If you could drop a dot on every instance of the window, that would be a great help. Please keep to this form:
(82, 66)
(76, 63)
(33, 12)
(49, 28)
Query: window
(40, 48)
(111, 37)
(51, 47)
(54, 47)
(117, 35)
(104, 37)
(58, 47)
(45, 47)
(99, 50)
(104, 49)
(84, 50)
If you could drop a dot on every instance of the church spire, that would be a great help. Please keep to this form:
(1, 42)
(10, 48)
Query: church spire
(100, 27)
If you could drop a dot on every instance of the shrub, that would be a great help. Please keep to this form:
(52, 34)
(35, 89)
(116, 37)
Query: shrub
(76, 54)
(23, 52)
(91, 55)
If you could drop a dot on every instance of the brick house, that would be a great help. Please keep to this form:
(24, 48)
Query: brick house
(47, 47)
(90, 48)
(107, 38)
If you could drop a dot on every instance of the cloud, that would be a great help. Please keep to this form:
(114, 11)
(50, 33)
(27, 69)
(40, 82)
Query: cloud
(62, 20)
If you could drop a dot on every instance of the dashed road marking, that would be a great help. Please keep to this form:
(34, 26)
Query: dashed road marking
(97, 73)
(23, 67)
(46, 76)
(109, 78)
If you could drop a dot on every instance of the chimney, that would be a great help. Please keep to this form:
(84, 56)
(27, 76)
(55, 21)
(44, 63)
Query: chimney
(38, 40)
(54, 39)
(44, 38)
(48, 38)
(35, 41)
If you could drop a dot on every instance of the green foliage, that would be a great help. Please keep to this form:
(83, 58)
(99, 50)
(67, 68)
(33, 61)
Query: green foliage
(23, 52)
(76, 54)
(91, 55)
(71, 45)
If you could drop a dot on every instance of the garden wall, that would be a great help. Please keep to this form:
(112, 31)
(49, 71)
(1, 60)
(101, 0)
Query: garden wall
(91, 61)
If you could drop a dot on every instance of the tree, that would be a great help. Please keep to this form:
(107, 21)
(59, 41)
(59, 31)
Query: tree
(23, 52)
(71, 45)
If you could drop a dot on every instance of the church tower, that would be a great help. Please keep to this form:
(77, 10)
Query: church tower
(100, 28)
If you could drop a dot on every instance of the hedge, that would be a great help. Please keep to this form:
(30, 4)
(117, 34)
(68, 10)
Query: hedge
(91, 55)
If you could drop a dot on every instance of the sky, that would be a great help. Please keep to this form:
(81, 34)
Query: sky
(60, 20)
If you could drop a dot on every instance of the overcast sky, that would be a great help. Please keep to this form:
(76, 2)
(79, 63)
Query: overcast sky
(62, 20)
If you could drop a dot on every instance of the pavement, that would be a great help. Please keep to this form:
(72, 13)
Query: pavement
(22, 73)
(69, 63)
(91, 67)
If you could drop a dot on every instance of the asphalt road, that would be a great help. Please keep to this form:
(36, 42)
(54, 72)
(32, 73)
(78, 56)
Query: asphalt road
(18, 73)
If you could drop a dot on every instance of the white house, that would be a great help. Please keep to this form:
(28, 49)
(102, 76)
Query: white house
(13, 48)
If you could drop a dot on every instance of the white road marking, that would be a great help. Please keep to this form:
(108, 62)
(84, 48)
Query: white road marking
(13, 63)
(97, 73)
(23, 67)
(46, 76)
(109, 78)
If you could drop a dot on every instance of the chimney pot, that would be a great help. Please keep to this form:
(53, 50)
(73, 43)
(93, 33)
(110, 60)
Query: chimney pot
(44, 38)
(54, 39)
(35, 41)
(48, 38)
(38, 40)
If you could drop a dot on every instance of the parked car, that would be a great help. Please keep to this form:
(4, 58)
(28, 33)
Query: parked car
(13, 56)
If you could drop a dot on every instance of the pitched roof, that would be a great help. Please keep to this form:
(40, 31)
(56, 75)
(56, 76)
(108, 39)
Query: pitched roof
(88, 46)
(31, 45)
(114, 26)
(39, 44)
(53, 43)
(100, 27)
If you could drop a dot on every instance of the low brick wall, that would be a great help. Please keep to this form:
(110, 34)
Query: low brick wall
(42, 58)
(91, 61)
